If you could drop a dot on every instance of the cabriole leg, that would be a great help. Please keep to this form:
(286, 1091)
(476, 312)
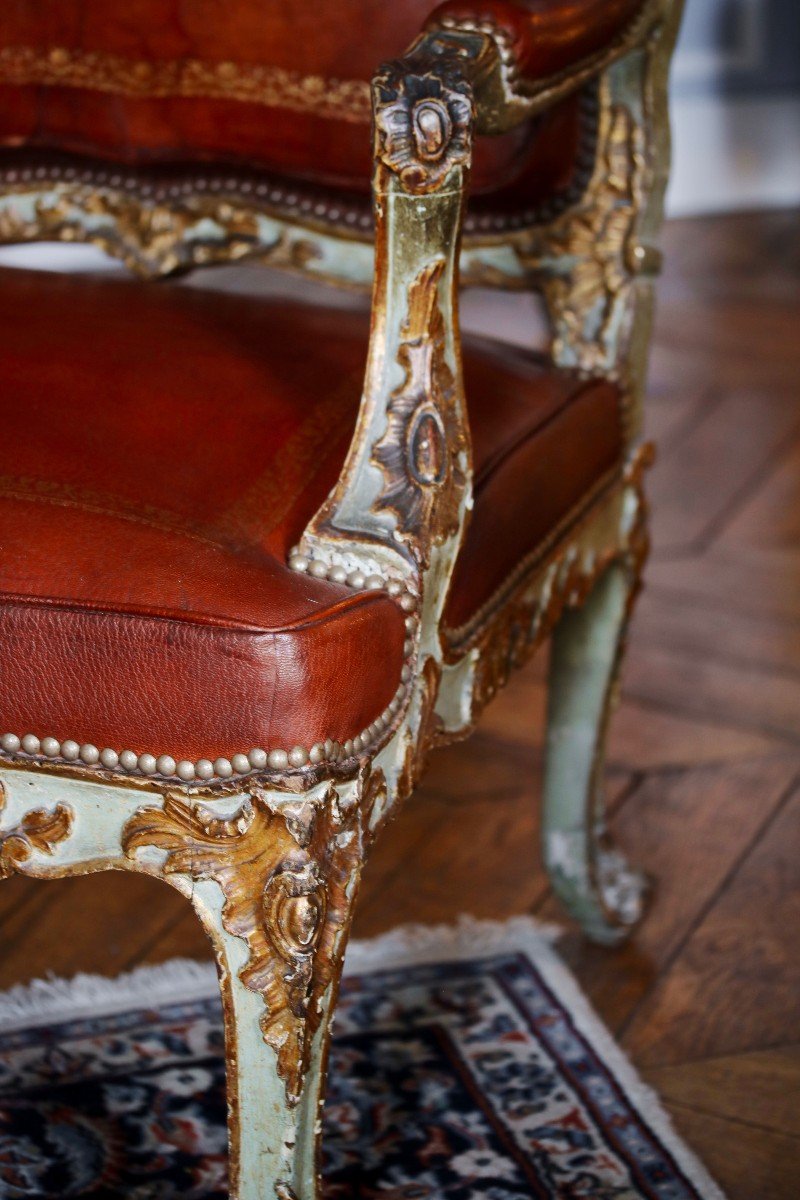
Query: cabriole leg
(274, 1137)
(591, 877)
(273, 882)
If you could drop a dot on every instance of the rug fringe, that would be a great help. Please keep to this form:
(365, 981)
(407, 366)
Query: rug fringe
(467, 937)
(52, 1000)
(182, 980)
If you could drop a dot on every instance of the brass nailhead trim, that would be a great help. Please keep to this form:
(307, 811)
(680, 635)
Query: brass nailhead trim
(29, 746)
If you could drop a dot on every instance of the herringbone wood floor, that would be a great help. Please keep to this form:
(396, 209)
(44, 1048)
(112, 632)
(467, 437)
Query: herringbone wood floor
(704, 771)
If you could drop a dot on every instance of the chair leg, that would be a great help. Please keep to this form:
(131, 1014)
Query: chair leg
(588, 873)
(273, 1137)
(273, 882)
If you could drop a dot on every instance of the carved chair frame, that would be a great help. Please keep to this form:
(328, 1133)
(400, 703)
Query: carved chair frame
(269, 858)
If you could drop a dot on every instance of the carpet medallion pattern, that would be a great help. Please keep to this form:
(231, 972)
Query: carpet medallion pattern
(451, 1079)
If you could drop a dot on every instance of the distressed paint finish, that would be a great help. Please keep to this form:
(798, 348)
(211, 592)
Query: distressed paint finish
(273, 1117)
(272, 869)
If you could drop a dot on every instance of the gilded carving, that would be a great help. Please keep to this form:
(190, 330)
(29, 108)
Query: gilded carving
(423, 448)
(423, 119)
(153, 239)
(286, 871)
(586, 261)
(256, 83)
(39, 830)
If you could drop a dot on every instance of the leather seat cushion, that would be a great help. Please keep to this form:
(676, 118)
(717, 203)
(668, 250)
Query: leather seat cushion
(162, 450)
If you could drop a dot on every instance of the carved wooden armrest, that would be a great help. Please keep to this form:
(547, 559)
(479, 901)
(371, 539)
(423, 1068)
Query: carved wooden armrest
(399, 508)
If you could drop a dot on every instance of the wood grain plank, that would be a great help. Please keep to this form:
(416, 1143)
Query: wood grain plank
(702, 474)
(467, 842)
(761, 1087)
(755, 582)
(748, 1163)
(771, 516)
(736, 983)
(96, 923)
(677, 623)
(688, 830)
(644, 735)
(758, 699)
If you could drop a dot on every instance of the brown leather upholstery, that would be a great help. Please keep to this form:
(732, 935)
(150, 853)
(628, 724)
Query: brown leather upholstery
(162, 450)
(547, 36)
(282, 86)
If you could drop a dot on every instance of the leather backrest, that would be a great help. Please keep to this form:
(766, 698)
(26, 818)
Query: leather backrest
(279, 86)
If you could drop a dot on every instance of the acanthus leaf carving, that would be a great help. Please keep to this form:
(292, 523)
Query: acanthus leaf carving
(39, 830)
(285, 871)
(587, 261)
(423, 449)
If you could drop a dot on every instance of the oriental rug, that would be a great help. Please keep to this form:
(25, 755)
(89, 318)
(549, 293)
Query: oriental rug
(466, 1063)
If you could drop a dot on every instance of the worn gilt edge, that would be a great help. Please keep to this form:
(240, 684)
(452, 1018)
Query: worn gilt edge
(38, 830)
(286, 871)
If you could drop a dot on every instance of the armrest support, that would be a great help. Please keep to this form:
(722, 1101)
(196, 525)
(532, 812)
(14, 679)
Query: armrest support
(400, 506)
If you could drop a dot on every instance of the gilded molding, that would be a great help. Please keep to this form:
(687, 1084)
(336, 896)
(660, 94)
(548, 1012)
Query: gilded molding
(428, 730)
(39, 830)
(422, 451)
(254, 83)
(286, 870)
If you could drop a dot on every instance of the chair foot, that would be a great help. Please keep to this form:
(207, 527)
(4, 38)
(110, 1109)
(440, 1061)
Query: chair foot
(591, 877)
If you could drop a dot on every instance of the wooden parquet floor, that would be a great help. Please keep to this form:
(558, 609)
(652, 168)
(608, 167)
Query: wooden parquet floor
(704, 770)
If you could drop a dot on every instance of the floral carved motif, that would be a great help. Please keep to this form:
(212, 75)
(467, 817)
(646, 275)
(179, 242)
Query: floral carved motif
(285, 871)
(423, 449)
(41, 829)
(423, 119)
(152, 239)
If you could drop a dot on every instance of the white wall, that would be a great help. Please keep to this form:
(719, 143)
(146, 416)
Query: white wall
(736, 107)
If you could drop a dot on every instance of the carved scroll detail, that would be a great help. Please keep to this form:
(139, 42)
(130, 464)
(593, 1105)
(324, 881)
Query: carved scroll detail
(423, 117)
(152, 239)
(40, 829)
(286, 872)
(424, 446)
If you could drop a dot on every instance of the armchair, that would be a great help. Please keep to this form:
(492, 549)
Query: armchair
(238, 605)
